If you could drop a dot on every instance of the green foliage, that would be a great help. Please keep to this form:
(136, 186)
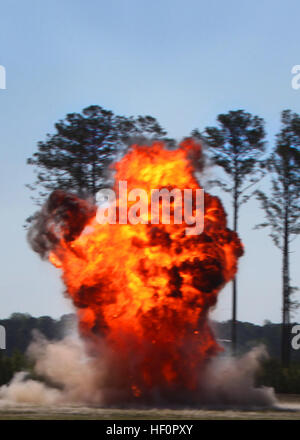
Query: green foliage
(236, 146)
(9, 365)
(76, 158)
(19, 328)
(283, 204)
(283, 380)
(19, 332)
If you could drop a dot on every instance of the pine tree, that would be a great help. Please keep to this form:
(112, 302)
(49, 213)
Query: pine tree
(76, 158)
(282, 209)
(236, 146)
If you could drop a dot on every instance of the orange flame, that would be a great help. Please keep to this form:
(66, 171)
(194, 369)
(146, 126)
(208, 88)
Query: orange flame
(147, 289)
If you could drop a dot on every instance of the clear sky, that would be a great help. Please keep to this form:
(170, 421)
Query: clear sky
(183, 62)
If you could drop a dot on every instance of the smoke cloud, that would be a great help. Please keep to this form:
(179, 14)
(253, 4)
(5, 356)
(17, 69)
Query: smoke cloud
(231, 381)
(68, 375)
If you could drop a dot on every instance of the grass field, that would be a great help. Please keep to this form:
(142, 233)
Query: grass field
(288, 408)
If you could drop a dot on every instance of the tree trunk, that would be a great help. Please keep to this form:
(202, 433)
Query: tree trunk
(233, 323)
(234, 282)
(285, 332)
(94, 179)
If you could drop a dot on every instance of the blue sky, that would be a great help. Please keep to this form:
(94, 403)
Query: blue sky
(183, 62)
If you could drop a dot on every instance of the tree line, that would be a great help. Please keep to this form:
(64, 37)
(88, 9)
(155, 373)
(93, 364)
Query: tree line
(20, 327)
(76, 157)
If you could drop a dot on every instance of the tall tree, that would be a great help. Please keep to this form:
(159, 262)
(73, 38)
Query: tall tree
(236, 146)
(282, 210)
(77, 156)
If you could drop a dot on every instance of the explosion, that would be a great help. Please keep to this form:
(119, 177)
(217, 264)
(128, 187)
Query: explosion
(143, 290)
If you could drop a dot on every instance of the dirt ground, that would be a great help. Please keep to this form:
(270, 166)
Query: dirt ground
(288, 408)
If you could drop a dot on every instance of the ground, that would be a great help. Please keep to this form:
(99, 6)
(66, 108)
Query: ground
(288, 409)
